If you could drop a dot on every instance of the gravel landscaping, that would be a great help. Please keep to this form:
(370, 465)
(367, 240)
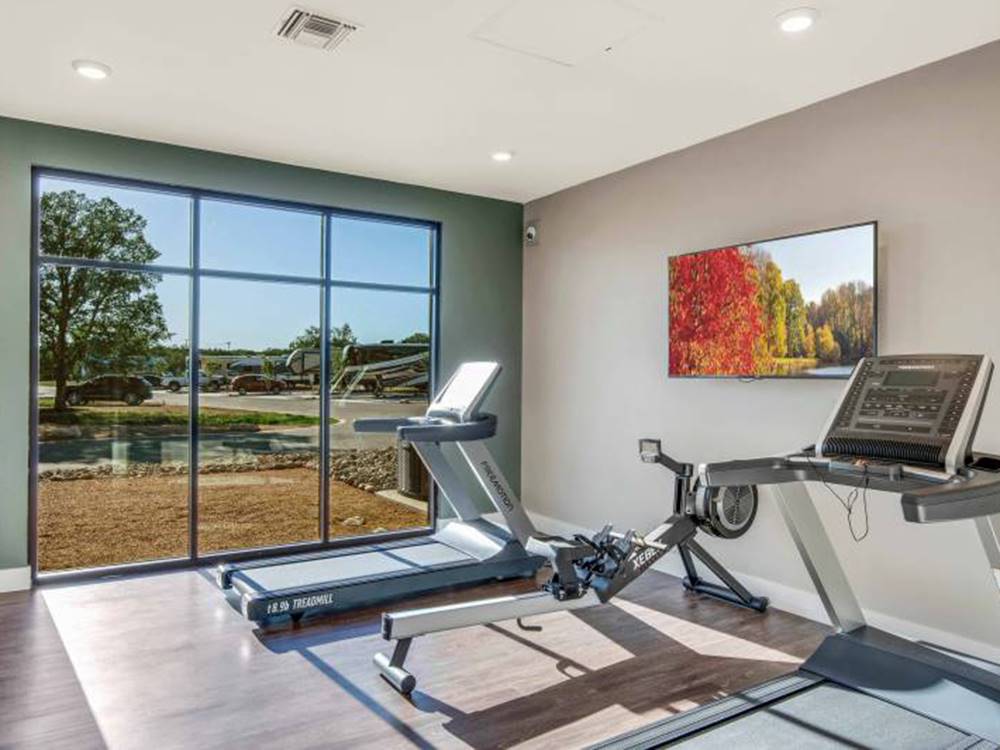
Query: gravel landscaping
(96, 515)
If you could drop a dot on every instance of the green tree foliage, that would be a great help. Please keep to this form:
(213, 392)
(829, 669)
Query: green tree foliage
(771, 299)
(732, 312)
(827, 348)
(809, 341)
(342, 336)
(85, 314)
(417, 338)
(795, 319)
(848, 309)
(174, 358)
(309, 339)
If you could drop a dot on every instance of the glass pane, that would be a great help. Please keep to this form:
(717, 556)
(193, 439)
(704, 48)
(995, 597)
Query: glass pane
(258, 453)
(259, 239)
(380, 351)
(82, 219)
(113, 446)
(380, 252)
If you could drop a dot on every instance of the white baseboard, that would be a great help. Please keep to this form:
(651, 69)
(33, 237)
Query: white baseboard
(15, 579)
(805, 604)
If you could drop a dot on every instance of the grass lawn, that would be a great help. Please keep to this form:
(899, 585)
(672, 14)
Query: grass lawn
(105, 521)
(159, 414)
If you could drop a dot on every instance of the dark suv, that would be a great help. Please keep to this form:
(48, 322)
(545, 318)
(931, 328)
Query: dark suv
(128, 388)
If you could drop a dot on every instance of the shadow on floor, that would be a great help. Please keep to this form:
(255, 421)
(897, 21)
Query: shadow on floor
(716, 649)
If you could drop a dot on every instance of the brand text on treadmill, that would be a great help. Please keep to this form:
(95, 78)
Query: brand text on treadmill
(492, 476)
(316, 600)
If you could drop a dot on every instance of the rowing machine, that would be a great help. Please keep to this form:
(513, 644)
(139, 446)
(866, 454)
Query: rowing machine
(587, 571)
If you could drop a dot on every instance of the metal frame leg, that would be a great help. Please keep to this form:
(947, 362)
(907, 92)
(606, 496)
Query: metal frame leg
(732, 591)
(818, 555)
(989, 535)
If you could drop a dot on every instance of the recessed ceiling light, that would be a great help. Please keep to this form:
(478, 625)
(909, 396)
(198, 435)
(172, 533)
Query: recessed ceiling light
(797, 19)
(502, 155)
(96, 71)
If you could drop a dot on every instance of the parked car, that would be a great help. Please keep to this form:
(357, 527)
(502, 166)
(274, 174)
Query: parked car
(244, 384)
(128, 388)
(154, 379)
(205, 382)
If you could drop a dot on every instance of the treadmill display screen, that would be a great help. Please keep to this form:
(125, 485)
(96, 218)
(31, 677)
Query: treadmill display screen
(912, 377)
(918, 409)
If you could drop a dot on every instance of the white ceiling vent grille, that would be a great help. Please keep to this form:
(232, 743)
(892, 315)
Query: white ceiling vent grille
(312, 30)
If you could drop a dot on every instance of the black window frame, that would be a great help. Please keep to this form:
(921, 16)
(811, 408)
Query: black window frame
(325, 284)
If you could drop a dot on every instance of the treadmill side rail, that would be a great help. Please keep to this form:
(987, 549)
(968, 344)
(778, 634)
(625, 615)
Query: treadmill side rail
(914, 677)
(329, 597)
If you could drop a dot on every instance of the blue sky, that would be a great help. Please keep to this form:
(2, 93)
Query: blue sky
(243, 237)
(822, 261)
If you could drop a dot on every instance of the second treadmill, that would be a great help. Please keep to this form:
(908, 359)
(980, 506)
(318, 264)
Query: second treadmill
(864, 687)
(469, 549)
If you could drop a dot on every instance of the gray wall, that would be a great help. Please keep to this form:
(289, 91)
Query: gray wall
(480, 282)
(920, 153)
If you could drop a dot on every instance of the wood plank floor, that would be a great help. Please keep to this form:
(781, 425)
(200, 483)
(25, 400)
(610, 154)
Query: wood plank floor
(41, 702)
(165, 662)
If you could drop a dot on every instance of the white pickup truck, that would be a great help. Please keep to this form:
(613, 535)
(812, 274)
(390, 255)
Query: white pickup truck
(206, 382)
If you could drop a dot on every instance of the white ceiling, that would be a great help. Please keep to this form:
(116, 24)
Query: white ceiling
(428, 89)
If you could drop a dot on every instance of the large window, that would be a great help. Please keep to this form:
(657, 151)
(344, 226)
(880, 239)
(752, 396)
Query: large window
(200, 360)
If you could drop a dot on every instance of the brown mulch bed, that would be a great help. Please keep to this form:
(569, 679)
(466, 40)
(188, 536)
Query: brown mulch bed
(109, 520)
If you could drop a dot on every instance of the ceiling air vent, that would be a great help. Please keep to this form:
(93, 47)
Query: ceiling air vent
(312, 30)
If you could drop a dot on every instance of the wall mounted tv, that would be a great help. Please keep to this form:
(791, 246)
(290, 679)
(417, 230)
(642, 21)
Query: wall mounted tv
(802, 306)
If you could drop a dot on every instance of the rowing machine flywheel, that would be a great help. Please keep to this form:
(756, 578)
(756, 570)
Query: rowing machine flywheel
(726, 512)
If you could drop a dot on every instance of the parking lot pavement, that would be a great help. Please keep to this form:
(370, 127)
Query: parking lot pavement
(346, 410)
(296, 402)
(73, 453)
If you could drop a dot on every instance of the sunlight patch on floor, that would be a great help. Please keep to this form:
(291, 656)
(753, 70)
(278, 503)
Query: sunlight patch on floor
(704, 640)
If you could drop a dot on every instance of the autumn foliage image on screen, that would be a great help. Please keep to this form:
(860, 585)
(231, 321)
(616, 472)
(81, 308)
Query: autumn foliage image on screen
(798, 306)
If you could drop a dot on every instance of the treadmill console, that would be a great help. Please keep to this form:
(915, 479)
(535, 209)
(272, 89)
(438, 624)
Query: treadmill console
(915, 409)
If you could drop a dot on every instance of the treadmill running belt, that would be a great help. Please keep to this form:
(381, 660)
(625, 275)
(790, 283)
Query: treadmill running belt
(345, 567)
(824, 717)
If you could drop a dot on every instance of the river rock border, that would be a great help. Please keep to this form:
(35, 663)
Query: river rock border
(368, 469)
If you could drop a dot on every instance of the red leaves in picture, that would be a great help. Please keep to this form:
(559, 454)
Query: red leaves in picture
(716, 322)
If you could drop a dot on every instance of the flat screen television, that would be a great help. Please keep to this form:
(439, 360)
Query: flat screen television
(802, 306)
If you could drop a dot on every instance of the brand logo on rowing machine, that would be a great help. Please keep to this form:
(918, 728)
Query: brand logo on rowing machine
(494, 480)
(644, 557)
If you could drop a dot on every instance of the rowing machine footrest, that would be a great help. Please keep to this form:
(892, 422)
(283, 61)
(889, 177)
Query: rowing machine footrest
(399, 678)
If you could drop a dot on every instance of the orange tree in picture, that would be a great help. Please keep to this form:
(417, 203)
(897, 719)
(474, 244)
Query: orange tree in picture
(716, 322)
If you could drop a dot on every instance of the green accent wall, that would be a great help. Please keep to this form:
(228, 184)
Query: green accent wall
(480, 269)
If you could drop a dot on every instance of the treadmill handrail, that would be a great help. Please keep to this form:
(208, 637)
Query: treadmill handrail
(927, 495)
(441, 431)
(375, 424)
(432, 430)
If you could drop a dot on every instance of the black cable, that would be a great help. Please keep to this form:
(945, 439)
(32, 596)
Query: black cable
(851, 500)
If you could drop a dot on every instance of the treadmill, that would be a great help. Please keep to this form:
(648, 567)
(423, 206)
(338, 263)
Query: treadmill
(904, 424)
(466, 550)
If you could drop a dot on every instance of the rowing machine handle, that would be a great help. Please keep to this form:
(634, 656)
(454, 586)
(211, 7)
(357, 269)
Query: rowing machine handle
(650, 453)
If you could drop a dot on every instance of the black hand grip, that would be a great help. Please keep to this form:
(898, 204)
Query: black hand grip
(649, 451)
(771, 470)
(973, 497)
